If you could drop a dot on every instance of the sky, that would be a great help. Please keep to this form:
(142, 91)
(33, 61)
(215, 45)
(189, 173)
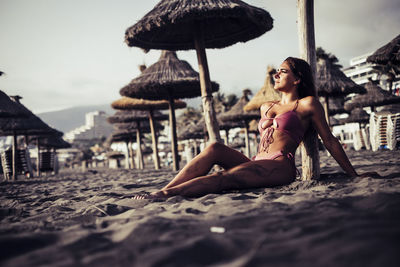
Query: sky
(64, 53)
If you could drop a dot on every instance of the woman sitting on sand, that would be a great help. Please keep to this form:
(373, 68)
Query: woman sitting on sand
(282, 127)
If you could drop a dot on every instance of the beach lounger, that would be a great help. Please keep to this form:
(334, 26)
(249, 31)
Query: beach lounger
(384, 130)
(22, 167)
(393, 130)
(46, 161)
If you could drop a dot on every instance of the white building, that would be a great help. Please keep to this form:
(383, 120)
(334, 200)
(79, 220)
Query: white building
(360, 71)
(96, 126)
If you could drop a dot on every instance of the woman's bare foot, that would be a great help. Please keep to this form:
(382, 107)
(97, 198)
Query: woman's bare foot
(153, 196)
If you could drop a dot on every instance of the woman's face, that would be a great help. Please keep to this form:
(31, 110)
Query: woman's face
(284, 78)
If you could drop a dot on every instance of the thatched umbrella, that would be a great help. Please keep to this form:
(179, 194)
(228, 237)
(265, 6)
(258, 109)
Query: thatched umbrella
(336, 106)
(190, 24)
(336, 122)
(190, 132)
(52, 142)
(387, 59)
(266, 93)
(136, 116)
(374, 97)
(9, 108)
(29, 125)
(357, 115)
(128, 103)
(394, 108)
(169, 78)
(387, 53)
(236, 113)
(332, 82)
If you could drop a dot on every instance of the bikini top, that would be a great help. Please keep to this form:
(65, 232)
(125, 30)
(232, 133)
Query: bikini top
(288, 123)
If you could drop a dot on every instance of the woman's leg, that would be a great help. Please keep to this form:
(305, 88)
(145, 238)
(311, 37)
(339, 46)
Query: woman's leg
(254, 174)
(200, 165)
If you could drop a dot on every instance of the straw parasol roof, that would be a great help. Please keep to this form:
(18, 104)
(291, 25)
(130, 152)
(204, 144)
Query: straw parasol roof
(10, 108)
(171, 23)
(394, 108)
(375, 96)
(143, 104)
(190, 132)
(123, 116)
(336, 106)
(387, 53)
(133, 126)
(358, 115)
(168, 77)
(51, 141)
(335, 122)
(266, 93)
(29, 125)
(115, 155)
(236, 113)
(120, 136)
(331, 81)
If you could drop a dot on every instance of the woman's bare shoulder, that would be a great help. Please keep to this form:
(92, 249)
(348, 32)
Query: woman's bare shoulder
(309, 101)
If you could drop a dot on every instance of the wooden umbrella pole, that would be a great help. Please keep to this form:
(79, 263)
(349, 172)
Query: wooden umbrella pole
(14, 157)
(205, 84)
(309, 146)
(139, 144)
(131, 155)
(38, 158)
(28, 158)
(127, 165)
(226, 137)
(154, 141)
(172, 124)
(246, 133)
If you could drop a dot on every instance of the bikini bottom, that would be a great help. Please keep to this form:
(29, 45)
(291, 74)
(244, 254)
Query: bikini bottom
(276, 155)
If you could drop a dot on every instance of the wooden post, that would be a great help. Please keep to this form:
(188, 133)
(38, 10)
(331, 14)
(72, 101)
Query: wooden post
(205, 84)
(38, 158)
(156, 158)
(309, 147)
(172, 124)
(127, 156)
(246, 136)
(131, 155)
(226, 137)
(139, 144)
(14, 157)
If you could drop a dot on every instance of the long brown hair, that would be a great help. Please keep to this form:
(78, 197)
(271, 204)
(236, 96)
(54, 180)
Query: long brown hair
(302, 70)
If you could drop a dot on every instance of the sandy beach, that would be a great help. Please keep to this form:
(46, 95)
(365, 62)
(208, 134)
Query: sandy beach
(89, 219)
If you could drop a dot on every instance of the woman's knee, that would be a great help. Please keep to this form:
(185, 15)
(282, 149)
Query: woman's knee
(214, 148)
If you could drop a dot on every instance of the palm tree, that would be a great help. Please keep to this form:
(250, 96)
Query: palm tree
(389, 70)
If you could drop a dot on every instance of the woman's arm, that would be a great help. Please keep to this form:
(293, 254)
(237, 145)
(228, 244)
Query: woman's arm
(331, 142)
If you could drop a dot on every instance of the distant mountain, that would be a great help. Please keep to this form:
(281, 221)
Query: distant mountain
(68, 119)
